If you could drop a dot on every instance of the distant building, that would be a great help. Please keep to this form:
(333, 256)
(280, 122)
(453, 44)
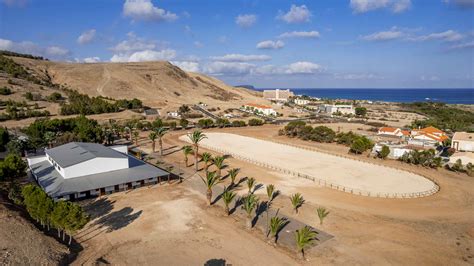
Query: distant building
(151, 113)
(463, 141)
(277, 95)
(263, 109)
(301, 101)
(396, 151)
(393, 131)
(465, 157)
(429, 136)
(174, 114)
(79, 170)
(335, 108)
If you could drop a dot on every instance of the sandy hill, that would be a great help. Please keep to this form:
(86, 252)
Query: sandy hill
(157, 84)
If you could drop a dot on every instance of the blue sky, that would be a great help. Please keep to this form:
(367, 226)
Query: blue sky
(272, 43)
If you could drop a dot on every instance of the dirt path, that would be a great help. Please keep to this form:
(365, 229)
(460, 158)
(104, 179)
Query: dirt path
(104, 81)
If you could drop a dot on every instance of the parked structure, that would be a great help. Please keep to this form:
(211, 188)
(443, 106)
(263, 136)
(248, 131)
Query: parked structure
(151, 113)
(261, 109)
(78, 170)
(277, 95)
(463, 141)
(337, 108)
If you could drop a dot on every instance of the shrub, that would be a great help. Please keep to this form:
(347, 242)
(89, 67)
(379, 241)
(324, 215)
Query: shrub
(322, 134)
(238, 123)
(360, 111)
(255, 122)
(384, 152)
(5, 91)
(361, 144)
(205, 123)
(54, 97)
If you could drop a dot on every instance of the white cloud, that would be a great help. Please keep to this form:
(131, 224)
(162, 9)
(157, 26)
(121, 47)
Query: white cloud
(241, 58)
(357, 76)
(146, 55)
(396, 6)
(447, 36)
(229, 68)
(270, 44)
(134, 43)
(246, 21)
(296, 14)
(303, 68)
(26, 47)
(187, 65)
(300, 34)
(145, 10)
(384, 35)
(86, 37)
(468, 45)
(94, 59)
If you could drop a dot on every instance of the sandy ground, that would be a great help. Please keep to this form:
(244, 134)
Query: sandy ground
(171, 225)
(339, 171)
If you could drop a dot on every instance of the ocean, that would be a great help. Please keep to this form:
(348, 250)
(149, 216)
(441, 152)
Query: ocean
(452, 96)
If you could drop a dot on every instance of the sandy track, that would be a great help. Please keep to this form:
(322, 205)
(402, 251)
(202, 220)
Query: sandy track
(349, 173)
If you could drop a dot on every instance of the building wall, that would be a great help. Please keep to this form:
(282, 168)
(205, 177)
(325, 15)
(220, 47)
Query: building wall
(464, 159)
(463, 145)
(94, 166)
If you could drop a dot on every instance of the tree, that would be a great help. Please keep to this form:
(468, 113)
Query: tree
(210, 181)
(12, 167)
(270, 192)
(183, 123)
(361, 144)
(322, 134)
(160, 133)
(322, 213)
(250, 184)
(136, 134)
(4, 138)
(384, 152)
(183, 110)
(219, 163)
(304, 237)
(360, 111)
(152, 136)
(233, 175)
(227, 196)
(75, 220)
(206, 158)
(249, 204)
(276, 224)
(58, 216)
(187, 150)
(196, 136)
(255, 122)
(296, 201)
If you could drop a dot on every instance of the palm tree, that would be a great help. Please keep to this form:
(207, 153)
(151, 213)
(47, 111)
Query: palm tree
(187, 150)
(249, 204)
(276, 224)
(322, 213)
(233, 175)
(206, 158)
(270, 192)
(296, 201)
(210, 181)
(250, 184)
(195, 138)
(49, 137)
(304, 237)
(219, 163)
(227, 196)
(152, 136)
(135, 136)
(160, 133)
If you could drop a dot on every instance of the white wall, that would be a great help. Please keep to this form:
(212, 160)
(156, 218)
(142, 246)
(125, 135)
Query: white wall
(94, 166)
(463, 145)
(36, 159)
(120, 148)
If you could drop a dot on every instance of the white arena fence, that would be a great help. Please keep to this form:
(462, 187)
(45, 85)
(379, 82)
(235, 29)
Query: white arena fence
(325, 183)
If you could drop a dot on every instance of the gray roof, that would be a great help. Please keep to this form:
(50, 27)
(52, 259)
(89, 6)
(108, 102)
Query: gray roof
(78, 152)
(55, 185)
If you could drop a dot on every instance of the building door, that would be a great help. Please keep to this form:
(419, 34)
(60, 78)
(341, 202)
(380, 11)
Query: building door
(102, 191)
(129, 186)
(116, 188)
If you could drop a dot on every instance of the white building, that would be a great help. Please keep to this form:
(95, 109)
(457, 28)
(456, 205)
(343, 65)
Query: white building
(174, 114)
(335, 108)
(463, 141)
(261, 109)
(301, 101)
(277, 95)
(393, 131)
(396, 151)
(77, 170)
(428, 136)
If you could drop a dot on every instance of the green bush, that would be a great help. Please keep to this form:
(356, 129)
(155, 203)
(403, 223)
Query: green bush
(384, 152)
(255, 122)
(361, 144)
(5, 91)
(205, 123)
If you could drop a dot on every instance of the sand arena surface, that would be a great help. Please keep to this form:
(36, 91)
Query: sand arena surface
(345, 172)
